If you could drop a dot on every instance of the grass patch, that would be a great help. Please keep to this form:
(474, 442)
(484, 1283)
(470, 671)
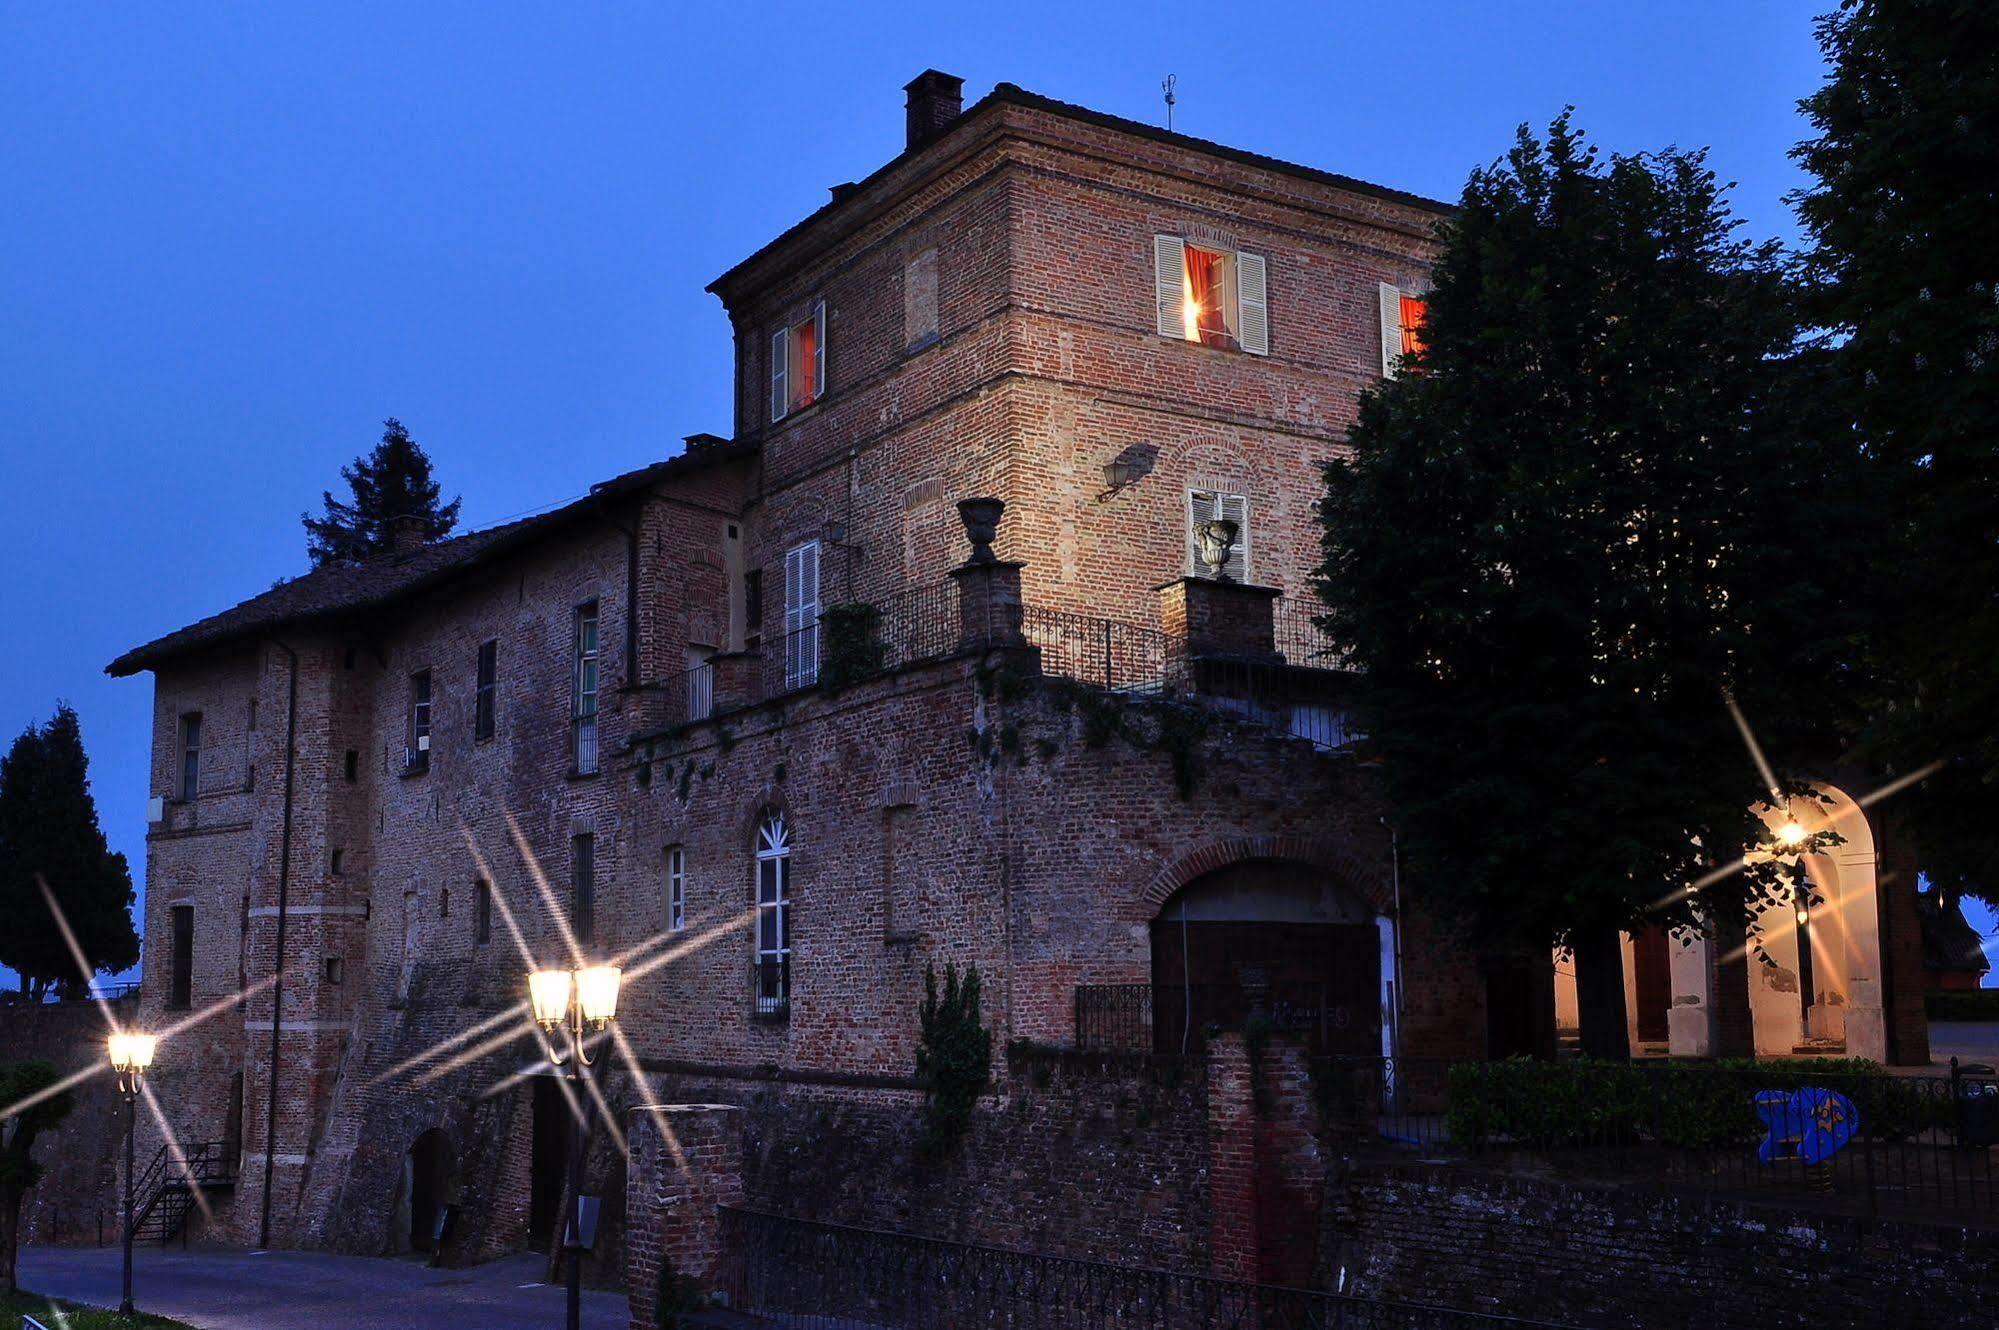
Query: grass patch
(74, 1317)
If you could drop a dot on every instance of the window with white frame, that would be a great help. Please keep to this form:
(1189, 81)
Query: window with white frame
(1210, 294)
(1402, 314)
(676, 889)
(801, 615)
(1211, 505)
(773, 882)
(798, 364)
(583, 692)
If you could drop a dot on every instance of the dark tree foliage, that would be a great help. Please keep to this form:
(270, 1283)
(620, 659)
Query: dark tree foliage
(27, 1109)
(49, 832)
(1578, 522)
(1904, 278)
(392, 482)
(954, 1052)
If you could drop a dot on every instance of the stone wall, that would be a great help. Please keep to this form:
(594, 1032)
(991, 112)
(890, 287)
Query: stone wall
(1600, 1256)
(78, 1201)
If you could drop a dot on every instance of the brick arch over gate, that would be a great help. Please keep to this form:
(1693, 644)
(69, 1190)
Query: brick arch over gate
(1360, 874)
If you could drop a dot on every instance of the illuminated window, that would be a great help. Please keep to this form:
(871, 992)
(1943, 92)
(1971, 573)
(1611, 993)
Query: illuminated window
(1413, 309)
(798, 364)
(1211, 295)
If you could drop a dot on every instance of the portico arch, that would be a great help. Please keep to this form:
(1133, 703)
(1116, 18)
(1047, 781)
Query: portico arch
(1285, 938)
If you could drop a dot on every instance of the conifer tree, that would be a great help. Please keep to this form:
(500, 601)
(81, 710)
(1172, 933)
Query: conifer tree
(1904, 279)
(390, 483)
(1584, 515)
(49, 833)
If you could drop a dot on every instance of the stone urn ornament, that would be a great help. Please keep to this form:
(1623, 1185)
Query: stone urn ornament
(981, 518)
(1215, 539)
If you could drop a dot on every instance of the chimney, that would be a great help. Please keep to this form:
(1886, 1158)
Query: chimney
(935, 99)
(405, 533)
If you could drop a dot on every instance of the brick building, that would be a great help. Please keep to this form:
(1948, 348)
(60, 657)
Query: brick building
(779, 725)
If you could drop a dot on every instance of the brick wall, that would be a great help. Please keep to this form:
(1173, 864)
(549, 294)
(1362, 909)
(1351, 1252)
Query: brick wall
(78, 1201)
(1582, 1255)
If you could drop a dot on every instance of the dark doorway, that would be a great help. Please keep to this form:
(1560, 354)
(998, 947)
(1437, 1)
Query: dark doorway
(1519, 1006)
(1284, 935)
(548, 1161)
(1652, 978)
(432, 1164)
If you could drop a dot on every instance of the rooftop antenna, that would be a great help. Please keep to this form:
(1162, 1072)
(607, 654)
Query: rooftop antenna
(1171, 79)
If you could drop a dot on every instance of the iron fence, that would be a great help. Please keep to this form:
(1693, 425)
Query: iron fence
(1176, 1020)
(1878, 1143)
(1120, 657)
(770, 987)
(806, 1275)
(1300, 640)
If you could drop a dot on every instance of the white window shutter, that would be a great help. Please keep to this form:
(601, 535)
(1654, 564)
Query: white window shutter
(1169, 270)
(1235, 508)
(818, 350)
(1253, 313)
(801, 615)
(1202, 506)
(1391, 328)
(780, 352)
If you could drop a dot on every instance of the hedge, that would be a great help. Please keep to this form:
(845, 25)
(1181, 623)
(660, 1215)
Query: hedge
(1581, 1102)
(1964, 1004)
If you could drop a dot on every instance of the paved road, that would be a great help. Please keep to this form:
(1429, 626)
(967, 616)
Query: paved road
(230, 1289)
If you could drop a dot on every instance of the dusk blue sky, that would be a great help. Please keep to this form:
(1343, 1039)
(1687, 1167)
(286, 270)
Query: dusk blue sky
(234, 238)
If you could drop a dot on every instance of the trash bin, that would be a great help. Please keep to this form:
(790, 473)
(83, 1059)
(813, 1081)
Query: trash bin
(1977, 1106)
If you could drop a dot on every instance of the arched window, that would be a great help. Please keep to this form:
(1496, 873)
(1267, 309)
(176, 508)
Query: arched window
(773, 973)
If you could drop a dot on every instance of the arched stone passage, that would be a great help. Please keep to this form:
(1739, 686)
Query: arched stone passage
(1285, 939)
(1365, 875)
(431, 1171)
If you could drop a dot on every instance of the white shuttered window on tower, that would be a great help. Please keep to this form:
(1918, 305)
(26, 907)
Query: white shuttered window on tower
(798, 364)
(801, 615)
(1207, 294)
(1204, 505)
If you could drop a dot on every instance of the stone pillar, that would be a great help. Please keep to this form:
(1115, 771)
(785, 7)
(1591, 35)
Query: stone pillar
(1234, 1240)
(686, 1160)
(738, 675)
(990, 610)
(1203, 617)
(1733, 1024)
(1906, 1026)
(1689, 1021)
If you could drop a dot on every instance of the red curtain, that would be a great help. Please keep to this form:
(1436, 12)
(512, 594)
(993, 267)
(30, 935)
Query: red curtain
(804, 341)
(1413, 308)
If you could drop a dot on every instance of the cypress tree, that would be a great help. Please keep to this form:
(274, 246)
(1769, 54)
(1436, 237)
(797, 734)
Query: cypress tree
(390, 483)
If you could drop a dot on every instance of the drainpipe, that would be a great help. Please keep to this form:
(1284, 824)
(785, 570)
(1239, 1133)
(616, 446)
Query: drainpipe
(278, 960)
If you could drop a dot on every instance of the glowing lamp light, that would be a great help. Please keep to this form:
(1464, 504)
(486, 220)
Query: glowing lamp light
(1791, 834)
(548, 991)
(132, 1052)
(597, 993)
(1804, 916)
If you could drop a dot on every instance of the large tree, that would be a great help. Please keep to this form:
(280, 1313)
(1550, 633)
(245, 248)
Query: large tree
(49, 833)
(30, 1104)
(1904, 279)
(391, 483)
(1583, 517)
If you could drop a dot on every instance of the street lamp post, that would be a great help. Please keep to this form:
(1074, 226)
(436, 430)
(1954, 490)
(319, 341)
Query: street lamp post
(130, 1055)
(572, 1003)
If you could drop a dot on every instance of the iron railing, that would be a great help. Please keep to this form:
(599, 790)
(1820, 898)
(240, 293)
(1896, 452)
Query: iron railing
(165, 1192)
(1300, 640)
(770, 987)
(806, 1275)
(1903, 1145)
(1176, 1020)
(1120, 657)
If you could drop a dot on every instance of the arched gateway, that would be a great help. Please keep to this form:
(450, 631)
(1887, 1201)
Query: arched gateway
(1271, 937)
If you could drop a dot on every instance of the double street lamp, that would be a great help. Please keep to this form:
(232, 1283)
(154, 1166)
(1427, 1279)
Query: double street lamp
(573, 1003)
(130, 1055)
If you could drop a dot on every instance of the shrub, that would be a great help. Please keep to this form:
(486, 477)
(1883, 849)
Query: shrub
(850, 644)
(954, 1053)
